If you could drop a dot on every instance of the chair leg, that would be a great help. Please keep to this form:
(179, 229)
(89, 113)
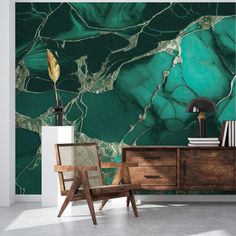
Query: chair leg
(75, 185)
(127, 201)
(91, 206)
(132, 199)
(63, 207)
(103, 203)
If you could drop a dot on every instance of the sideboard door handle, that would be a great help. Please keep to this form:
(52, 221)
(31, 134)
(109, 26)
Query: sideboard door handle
(152, 176)
(157, 157)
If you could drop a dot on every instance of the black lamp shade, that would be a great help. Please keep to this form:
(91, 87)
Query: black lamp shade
(201, 104)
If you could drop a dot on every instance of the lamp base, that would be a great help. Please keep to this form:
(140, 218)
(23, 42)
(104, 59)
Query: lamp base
(201, 125)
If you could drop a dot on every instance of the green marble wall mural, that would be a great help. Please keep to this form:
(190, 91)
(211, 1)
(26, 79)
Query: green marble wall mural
(128, 70)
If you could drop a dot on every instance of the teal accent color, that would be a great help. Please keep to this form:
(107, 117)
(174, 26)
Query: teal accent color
(27, 144)
(128, 71)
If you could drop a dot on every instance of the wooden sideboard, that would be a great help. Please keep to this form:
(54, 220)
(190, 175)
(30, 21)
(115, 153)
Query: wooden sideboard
(182, 168)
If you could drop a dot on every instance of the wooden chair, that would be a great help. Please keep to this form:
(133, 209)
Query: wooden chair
(80, 177)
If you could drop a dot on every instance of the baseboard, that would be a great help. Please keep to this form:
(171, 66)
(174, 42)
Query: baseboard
(186, 198)
(28, 198)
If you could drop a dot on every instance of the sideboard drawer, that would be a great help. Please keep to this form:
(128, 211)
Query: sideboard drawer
(153, 175)
(152, 158)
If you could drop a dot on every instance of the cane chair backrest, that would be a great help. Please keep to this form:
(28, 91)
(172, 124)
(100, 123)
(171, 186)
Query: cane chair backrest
(78, 154)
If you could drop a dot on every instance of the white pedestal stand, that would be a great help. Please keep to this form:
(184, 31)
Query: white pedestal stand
(50, 186)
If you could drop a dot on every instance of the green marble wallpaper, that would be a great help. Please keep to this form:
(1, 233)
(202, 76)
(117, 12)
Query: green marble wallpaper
(128, 70)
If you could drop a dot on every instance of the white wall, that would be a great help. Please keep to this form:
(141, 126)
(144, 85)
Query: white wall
(7, 105)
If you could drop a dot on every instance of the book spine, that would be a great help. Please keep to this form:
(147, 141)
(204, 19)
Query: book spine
(195, 142)
(232, 127)
(222, 131)
(225, 134)
(210, 138)
(203, 145)
(235, 133)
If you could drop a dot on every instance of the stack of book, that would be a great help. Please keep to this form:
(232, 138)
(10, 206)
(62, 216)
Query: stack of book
(228, 133)
(203, 142)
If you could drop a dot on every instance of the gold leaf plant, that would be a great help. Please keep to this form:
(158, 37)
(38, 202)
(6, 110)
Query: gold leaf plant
(53, 70)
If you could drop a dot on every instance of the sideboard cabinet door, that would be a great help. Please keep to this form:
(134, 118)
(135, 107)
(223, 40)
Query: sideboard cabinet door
(207, 169)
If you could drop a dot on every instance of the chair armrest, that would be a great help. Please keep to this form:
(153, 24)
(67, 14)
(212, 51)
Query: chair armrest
(67, 168)
(117, 165)
(123, 174)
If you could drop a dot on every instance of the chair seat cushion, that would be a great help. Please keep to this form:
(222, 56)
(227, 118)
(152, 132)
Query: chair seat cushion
(113, 188)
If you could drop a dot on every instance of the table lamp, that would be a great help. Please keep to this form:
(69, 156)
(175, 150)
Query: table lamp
(201, 105)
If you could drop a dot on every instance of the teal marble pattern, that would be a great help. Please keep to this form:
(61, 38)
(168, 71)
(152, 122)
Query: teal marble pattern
(128, 71)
